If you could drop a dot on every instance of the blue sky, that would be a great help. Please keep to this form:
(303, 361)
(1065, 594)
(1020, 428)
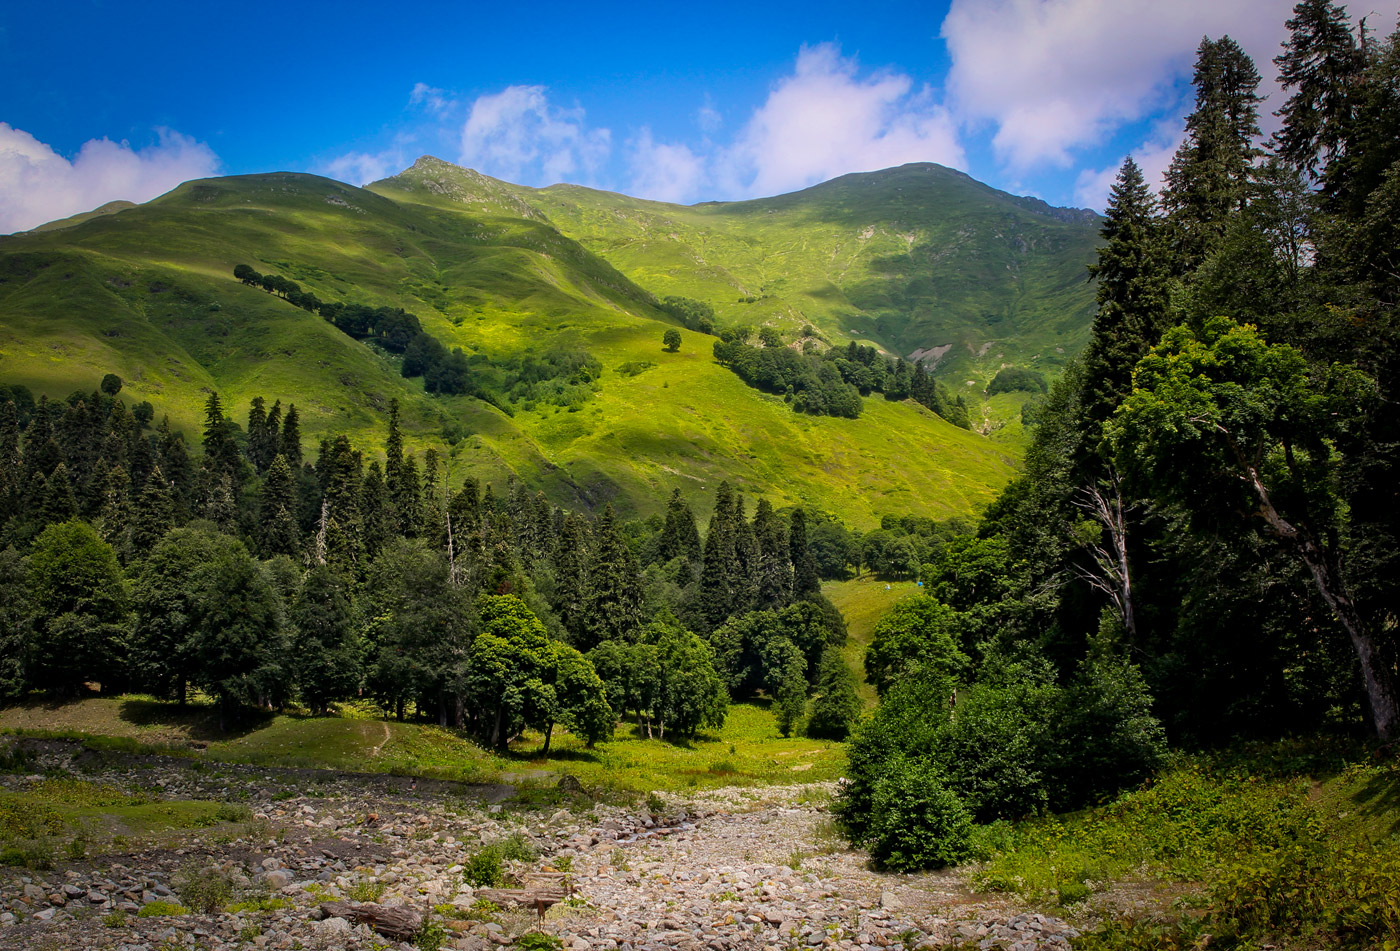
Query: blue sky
(107, 100)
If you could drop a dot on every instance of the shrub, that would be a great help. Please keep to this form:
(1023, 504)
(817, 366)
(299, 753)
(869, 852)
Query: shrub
(205, 889)
(161, 909)
(538, 941)
(482, 869)
(917, 822)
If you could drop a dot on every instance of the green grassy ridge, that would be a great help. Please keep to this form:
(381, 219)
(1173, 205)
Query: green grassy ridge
(148, 293)
(908, 258)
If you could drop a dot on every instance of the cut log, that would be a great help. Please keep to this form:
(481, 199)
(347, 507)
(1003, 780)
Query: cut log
(398, 922)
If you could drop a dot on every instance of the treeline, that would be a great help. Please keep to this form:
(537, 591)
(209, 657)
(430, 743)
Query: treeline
(832, 383)
(1203, 544)
(563, 378)
(443, 371)
(263, 578)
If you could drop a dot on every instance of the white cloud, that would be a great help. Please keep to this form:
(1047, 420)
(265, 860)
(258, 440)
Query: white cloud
(1054, 75)
(518, 135)
(361, 168)
(38, 185)
(708, 118)
(665, 172)
(435, 99)
(825, 120)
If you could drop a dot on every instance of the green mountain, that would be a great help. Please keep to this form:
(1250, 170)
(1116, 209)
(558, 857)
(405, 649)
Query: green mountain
(907, 259)
(919, 260)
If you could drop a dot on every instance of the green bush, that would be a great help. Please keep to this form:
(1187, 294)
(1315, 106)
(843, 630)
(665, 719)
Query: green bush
(917, 822)
(538, 941)
(205, 889)
(161, 909)
(482, 869)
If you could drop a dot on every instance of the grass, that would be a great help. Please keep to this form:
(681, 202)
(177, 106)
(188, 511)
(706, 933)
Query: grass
(1251, 857)
(863, 601)
(747, 751)
(147, 293)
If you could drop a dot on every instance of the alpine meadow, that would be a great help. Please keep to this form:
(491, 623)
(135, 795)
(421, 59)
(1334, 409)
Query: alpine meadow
(895, 562)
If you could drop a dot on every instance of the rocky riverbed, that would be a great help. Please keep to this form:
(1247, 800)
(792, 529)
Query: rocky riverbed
(718, 871)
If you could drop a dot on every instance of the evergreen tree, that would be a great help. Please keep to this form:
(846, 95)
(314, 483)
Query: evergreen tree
(325, 654)
(716, 580)
(805, 581)
(375, 511)
(775, 564)
(1321, 64)
(613, 596)
(1132, 293)
(679, 536)
(432, 515)
(291, 437)
(277, 505)
(179, 471)
(745, 566)
(57, 503)
(154, 515)
(571, 577)
(115, 518)
(1210, 175)
(338, 469)
(221, 456)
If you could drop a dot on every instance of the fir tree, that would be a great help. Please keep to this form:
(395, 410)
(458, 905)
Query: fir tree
(679, 536)
(154, 515)
(291, 437)
(1210, 175)
(277, 506)
(221, 457)
(716, 580)
(571, 577)
(114, 520)
(805, 581)
(745, 566)
(1132, 292)
(774, 565)
(57, 503)
(374, 510)
(1321, 64)
(613, 596)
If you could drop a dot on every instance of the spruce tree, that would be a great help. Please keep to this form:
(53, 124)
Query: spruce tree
(570, 576)
(774, 560)
(57, 503)
(613, 596)
(154, 515)
(339, 471)
(114, 519)
(805, 581)
(745, 566)
(1320, 63)
(1210, 175)
(257, 434)
(716, 581)
(277, 507)
(374, 510)
(179, 471)
(1132, 293)
(291, 437)
(221, 456)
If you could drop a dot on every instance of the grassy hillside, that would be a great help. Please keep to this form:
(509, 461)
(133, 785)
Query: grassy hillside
(147, 292)
(919, 260)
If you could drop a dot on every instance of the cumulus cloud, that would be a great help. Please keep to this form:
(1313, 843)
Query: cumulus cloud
(708, 118)
(38, 185)
(517, 134)
(1153, 156)
(665, 172)
(825, 120)
(361, 168)
(1053, 75)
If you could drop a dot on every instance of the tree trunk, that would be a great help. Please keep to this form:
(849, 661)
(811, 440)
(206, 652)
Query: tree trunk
(548, 735)
(1376, 672)
(1115, 579)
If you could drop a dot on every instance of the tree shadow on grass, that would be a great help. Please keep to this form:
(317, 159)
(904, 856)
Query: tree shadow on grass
(1379, 795)
(197, 721)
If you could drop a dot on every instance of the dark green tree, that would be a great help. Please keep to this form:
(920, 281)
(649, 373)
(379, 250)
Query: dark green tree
(612, 605)
(1320, 65)
(277, 506)
(80, 610)
(325, 654)
(671, 339)
(835, 707)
